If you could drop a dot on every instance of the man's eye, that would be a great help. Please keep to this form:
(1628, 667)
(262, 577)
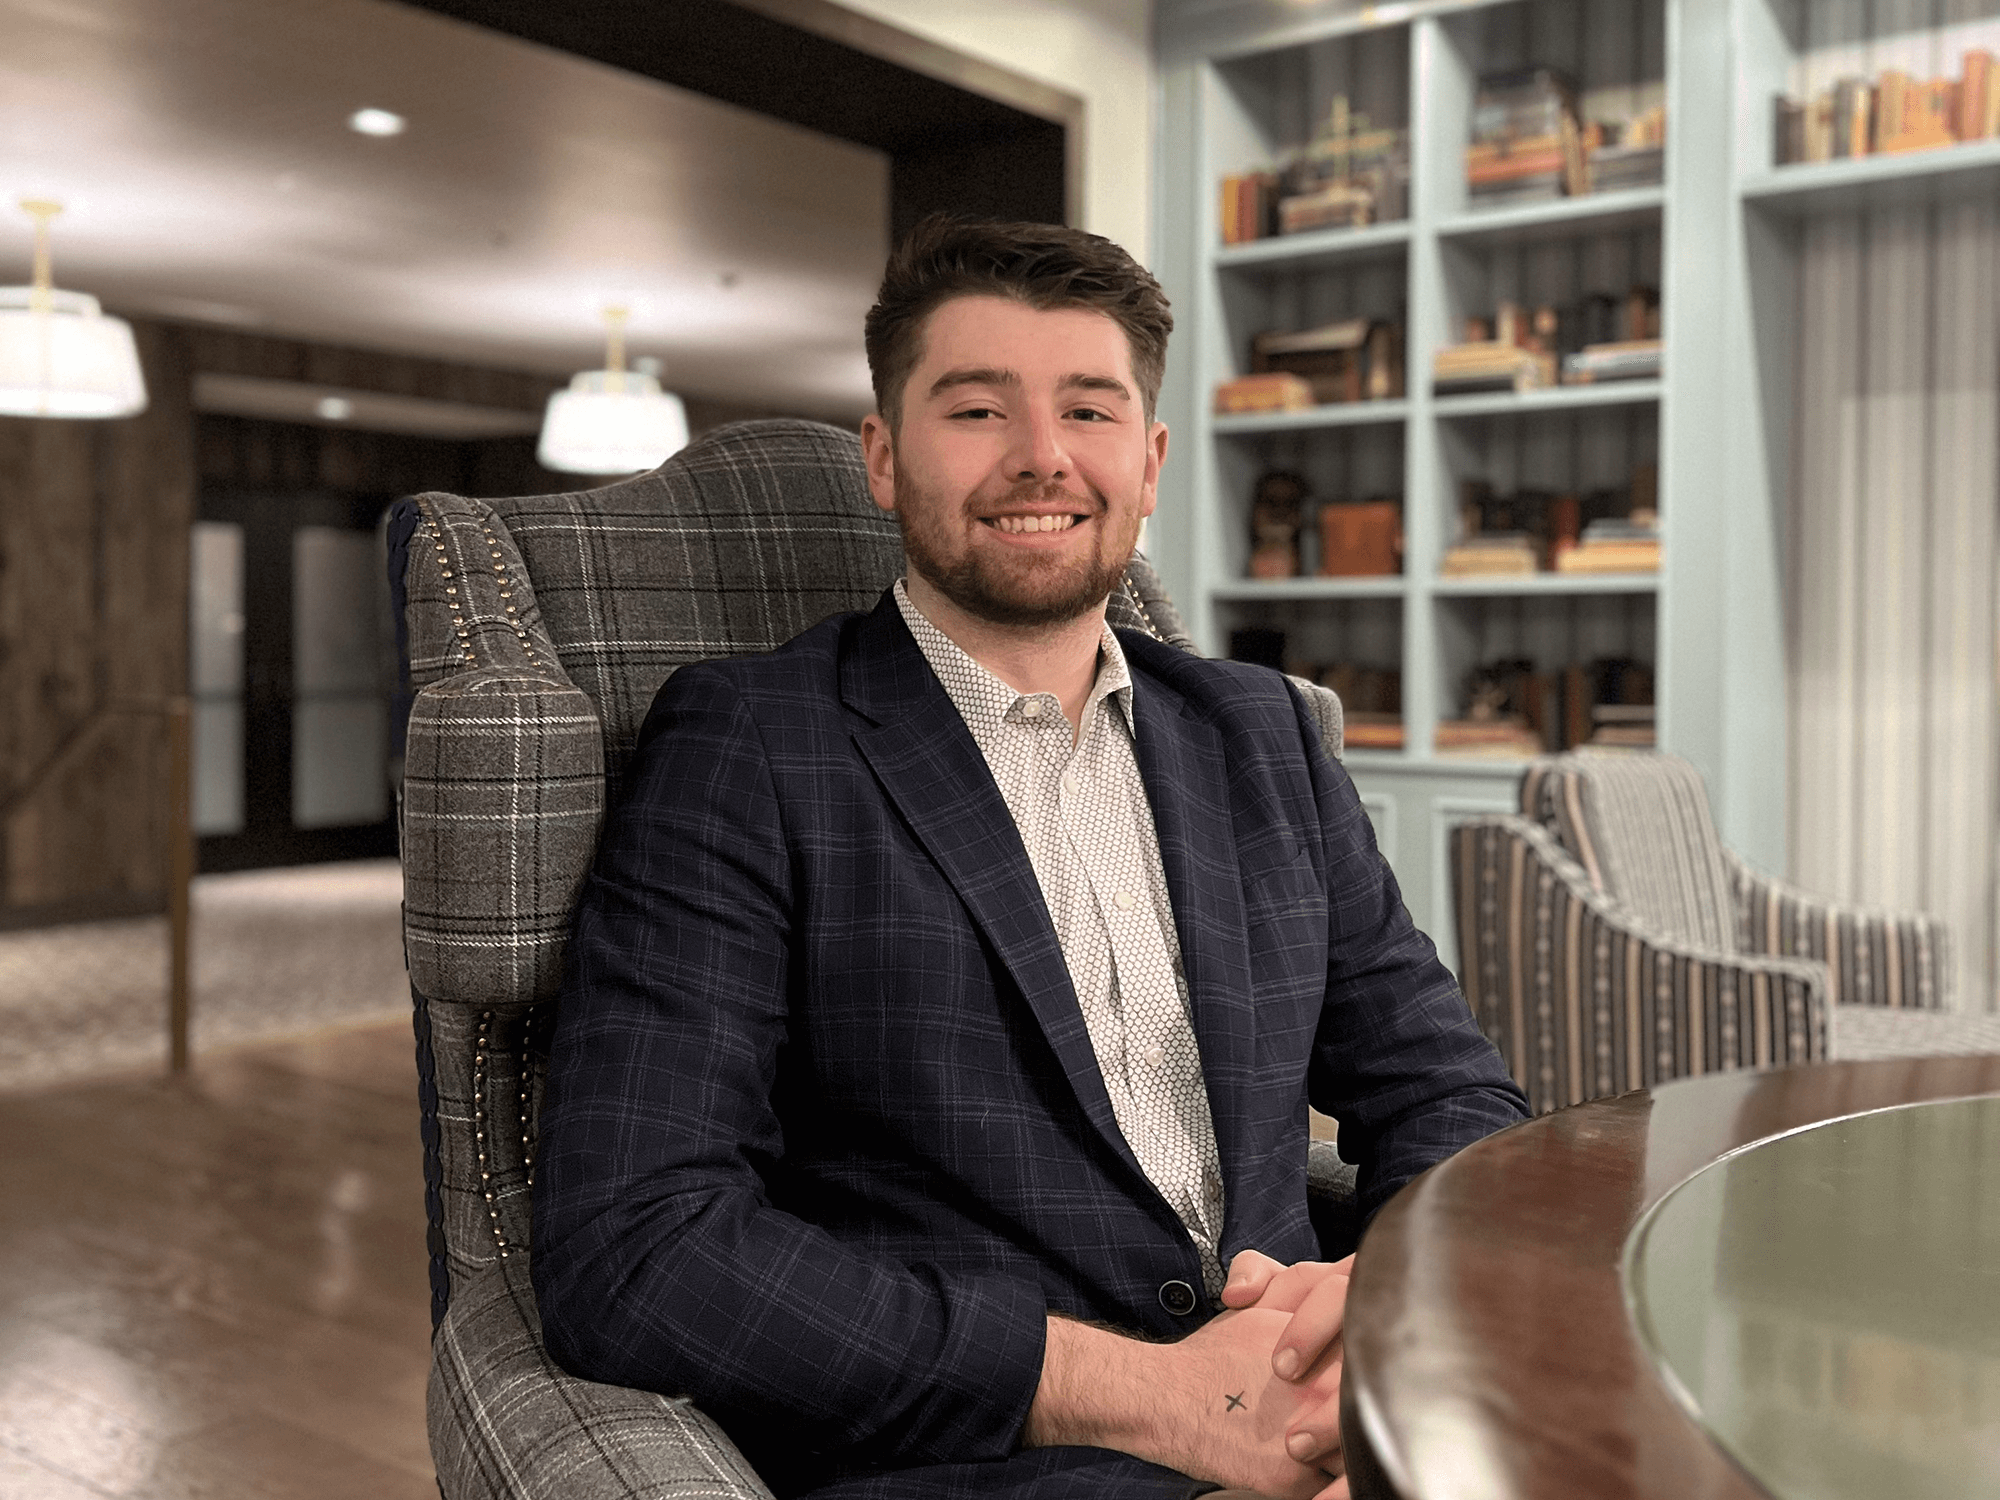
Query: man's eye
(975, 413)
(1090, 414)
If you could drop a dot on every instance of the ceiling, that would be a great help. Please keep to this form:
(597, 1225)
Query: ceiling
(202, 151)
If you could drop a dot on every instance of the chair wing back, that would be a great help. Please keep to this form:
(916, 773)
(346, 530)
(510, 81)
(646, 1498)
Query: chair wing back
(1639, 825)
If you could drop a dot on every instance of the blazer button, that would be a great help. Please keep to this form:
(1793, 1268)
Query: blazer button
(1177, 1297)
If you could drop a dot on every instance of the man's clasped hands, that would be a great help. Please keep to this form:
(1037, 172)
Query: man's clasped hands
(1250, 1400)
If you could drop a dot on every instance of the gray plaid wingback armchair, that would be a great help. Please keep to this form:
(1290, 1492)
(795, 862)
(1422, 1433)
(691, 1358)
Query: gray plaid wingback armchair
(1609, 941)
(535, 634)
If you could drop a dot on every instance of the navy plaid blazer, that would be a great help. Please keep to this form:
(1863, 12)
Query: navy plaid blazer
(825, 1138)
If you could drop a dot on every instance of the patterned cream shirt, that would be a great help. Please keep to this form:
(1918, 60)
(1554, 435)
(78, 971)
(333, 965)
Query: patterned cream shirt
(1082, 812)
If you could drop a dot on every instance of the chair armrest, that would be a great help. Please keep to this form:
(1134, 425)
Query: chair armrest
(507, 1424)
(1327, 712)
(1585, 1002)
(1331, 1201)
(503, 794)
(1901, 960)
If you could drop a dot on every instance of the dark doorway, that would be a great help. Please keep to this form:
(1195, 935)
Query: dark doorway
(288, 668)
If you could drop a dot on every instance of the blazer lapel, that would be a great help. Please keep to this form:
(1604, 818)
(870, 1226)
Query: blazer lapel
(932, 771)
(1181, 759)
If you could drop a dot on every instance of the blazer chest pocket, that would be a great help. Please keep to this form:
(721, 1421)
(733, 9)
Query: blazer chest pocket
(1286, 886)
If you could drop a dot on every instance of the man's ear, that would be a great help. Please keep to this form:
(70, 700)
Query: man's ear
(878, 448)
(1156, 459)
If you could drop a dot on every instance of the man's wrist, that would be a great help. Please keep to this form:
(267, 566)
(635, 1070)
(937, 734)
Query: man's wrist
(1098, 1389)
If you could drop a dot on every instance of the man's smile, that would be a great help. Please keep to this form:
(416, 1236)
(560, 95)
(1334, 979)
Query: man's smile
(1020, 525)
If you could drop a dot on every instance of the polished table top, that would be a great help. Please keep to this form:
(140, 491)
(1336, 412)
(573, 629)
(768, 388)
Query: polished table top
(1491, 1351)
(1827, 1304)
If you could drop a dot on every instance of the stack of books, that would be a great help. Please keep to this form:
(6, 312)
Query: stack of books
(1626, 154)
(1897, 112)
(1613, 547)
(1526, 141)
(1501, 739)
(1492, 554)
(1361, 730)
(1627, 359)
(1251, 393)
(1628, 725)
(1490, 365)
(1356, 359)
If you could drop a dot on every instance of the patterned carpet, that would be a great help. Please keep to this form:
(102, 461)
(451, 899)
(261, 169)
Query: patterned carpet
(276, 953)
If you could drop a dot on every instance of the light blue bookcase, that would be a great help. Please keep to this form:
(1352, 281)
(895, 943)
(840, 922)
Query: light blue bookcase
(1240, 80)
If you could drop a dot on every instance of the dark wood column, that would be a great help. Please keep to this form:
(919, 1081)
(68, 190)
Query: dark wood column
(94, 523)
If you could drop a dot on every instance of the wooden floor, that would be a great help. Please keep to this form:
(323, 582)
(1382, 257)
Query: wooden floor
(216, 1287)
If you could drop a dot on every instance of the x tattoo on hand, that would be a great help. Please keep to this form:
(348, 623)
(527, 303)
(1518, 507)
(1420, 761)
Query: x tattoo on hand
(1235, 1402)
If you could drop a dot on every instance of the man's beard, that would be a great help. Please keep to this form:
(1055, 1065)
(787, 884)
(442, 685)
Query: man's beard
(1025, 590)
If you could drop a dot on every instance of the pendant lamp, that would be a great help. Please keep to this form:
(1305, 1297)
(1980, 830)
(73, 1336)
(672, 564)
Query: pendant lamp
(59, 355)
(613, 420)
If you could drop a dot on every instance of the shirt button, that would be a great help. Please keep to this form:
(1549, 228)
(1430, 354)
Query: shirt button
(1155, 1054)
(1213, 1187)
(1032, 709)
(1122, 900)
(1069, 783)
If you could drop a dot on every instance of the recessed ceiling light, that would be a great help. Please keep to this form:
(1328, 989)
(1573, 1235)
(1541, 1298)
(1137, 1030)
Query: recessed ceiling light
(373, 121)
(334, 408)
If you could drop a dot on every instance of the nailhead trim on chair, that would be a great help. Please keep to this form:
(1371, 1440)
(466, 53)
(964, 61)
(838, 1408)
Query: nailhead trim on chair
(479, 1126)
(436, 534)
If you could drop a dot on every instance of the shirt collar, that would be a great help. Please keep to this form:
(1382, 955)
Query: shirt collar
(986, 703)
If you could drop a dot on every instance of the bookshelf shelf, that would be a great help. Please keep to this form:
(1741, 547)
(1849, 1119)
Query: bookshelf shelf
(1541, 585)
(1317, 247)
(1560, 218)
(1948, 174)
(1560, 398)
(1250, 589)
(1344, 414)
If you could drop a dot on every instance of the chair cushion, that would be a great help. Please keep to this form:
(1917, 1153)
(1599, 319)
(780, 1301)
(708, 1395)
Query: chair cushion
(1639, 824)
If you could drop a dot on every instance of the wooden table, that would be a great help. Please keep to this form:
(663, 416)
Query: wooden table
(1489, 1350)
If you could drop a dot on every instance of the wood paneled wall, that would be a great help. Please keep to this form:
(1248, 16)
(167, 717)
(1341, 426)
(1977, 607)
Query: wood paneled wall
(93, 636)
(94, 526)
(1895, 771)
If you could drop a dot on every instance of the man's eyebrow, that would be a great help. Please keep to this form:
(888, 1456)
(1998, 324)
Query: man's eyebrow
(974, 375)
(1095, 383)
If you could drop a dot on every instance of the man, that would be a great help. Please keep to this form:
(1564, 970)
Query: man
(947, 998)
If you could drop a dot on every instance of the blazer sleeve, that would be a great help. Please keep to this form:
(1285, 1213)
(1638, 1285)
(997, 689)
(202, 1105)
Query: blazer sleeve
(1397, 1058)
(659, 1261)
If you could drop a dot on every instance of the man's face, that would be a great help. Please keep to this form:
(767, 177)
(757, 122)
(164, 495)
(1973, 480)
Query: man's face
(1023, 462)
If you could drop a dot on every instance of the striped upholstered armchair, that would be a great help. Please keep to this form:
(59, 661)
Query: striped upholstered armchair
(1608, 941)
(536, 633)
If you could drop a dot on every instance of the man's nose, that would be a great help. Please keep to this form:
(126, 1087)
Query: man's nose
(1039, 452)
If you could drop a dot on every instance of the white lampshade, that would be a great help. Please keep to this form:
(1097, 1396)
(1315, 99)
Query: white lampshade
(64, 358)
(612, 422)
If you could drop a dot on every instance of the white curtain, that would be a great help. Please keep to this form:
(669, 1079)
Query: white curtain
(1894, 634)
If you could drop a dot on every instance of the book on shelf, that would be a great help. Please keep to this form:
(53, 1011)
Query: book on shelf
(1363, 730)
(1627, 359)
(1489, 365)
(1263, 393)
(1493, 554)
(1355, 359)
(1249, 207)
(1361, 540)
(1892, 113)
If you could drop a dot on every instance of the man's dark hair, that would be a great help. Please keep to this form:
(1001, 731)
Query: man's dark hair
(1047, 266)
